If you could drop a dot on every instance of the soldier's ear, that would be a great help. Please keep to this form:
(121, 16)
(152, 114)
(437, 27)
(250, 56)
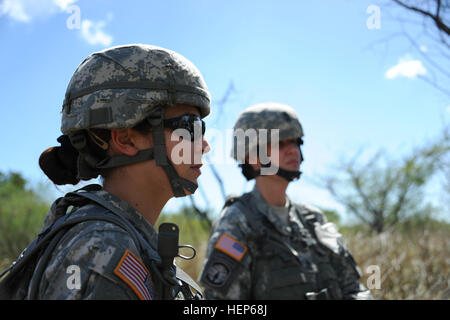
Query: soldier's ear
(123, 142)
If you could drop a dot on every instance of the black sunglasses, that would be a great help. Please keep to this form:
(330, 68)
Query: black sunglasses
(188, 122)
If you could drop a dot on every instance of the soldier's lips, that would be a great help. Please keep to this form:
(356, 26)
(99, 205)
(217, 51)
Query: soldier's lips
(293, 163)
(196, 169)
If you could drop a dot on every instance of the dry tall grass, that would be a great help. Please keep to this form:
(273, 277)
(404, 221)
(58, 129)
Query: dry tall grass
(413, 263)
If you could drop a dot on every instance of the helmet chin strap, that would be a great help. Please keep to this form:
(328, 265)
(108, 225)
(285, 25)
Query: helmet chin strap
(90, 167)
(288, 175)
(177, 183)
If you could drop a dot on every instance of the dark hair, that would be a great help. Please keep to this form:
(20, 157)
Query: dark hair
(60, 163)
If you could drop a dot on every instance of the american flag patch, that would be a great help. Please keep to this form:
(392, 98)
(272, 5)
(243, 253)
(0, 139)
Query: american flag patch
(131, 270)
(231, 246)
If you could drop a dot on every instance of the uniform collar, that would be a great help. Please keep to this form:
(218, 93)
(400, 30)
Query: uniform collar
(267, 211)
(131, 214)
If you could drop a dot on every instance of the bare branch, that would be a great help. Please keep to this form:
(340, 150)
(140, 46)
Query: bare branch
(426, 57)
(435, 85)
(438, 21)
(224, 100)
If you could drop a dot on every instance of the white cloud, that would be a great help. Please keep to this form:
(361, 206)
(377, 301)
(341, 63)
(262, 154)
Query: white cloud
(28, 10)
(64, 4)
(406, 67)
(15, 10)
(92, 32)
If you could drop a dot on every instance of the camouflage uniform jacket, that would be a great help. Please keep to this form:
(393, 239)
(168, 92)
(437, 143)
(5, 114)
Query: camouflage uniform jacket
(252, 254)
(109, 263)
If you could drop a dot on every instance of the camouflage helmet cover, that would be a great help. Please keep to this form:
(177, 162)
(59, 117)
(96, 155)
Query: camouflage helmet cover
(120, 86)
(269, 115)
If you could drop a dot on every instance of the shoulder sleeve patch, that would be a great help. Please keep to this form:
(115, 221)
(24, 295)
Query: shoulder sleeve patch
(231, 247)
(219, 273)
(134, 273)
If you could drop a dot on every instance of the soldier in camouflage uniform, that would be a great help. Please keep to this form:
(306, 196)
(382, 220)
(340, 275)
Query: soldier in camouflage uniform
(119, 115)
(263, 245)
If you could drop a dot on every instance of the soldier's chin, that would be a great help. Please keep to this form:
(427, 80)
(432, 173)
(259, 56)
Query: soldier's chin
(187, 192)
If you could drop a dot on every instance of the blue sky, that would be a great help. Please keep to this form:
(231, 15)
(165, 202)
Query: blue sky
(352, 86)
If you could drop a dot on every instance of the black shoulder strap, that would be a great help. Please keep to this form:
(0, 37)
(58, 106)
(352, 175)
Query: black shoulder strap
(99, 200)
(308, 218)
(254, 218)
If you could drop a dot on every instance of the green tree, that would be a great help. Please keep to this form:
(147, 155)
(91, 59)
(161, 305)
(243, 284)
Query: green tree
(382, 192)
(331, 215)
(22, 212)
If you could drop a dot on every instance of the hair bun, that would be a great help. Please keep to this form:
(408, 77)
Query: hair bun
(60, 163)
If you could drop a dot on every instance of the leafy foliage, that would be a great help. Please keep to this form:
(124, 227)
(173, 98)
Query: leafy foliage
(383, 192)
(22, 212)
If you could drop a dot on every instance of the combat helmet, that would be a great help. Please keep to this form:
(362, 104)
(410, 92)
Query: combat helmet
(268, 116)
(120, 87)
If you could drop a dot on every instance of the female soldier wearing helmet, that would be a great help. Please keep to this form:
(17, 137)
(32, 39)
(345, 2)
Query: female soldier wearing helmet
(264, 246)
(121, 111)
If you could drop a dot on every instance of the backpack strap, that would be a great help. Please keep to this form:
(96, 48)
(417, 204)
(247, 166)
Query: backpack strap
(60, 227)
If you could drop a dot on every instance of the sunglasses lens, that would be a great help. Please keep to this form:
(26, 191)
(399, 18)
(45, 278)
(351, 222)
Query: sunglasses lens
(198, 129)
(193, 124)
